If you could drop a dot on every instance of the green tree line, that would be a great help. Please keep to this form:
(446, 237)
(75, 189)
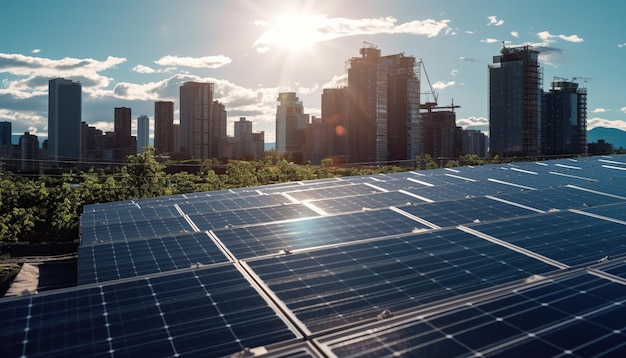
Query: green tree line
(48, 208)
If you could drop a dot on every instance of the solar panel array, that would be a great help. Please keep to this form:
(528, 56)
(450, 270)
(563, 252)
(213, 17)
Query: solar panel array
(523, 259)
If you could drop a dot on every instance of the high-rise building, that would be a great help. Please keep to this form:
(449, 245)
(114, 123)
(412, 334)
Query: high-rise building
(439, 134)
(64, 120)
(6, 143)
(29, 152)
(564, 119)
(247, 145)
(291, 124)
(124, 142)
(196, 99)
(164, 127)
(143, 133)
(515, 91)
(383, 107)
(334, 124)
(217, 130)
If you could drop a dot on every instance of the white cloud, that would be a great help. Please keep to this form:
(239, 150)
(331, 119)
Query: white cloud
(494, 21)
(623, 109)
(194, 62)
(469, 59)
(515, 34)
(35, 50)
(337, 81)
(439, 85)
(143, 69)
(297, 30)
(607, 123)
(473, 123)
(489, 41)
(621, 45)
(547, 37)
(455, 72)
(599, 110)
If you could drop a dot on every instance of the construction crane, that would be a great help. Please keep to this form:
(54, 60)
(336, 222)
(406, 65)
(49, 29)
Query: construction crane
(428, 105)
(452, 106)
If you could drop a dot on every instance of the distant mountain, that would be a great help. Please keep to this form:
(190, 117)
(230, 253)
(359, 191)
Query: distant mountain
(614, 136)
(270, 146)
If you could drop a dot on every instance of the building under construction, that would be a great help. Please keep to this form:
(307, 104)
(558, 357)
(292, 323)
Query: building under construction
(515, 92)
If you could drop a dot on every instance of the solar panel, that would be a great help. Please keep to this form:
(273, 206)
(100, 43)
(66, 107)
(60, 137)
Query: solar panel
(259, 240)
(567, 237)
(515, 259)
(135, 230)
(207, 312)
(577, 315)
(112, 261)
(334, 286)
(234, 218)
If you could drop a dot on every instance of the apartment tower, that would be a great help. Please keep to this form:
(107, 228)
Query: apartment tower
(515, 91)
(64, 120)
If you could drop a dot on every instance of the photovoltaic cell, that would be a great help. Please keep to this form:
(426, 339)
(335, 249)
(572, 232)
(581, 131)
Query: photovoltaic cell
(330, 287)
(207, 312)
(112, 261)
(135, 230)
(226, 204)
(332, 192)
(558, 198)
(369, 201)
(259, 240)
(567, 237)
(465, 211)
(576, 316)
(234, 218)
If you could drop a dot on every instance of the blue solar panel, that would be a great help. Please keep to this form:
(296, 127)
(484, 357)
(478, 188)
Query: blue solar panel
(234, 218)
(330, 287)
(135, 230)
(579, 315)
(259, 240)
(112, 261)
(515, 259)
(567, 237)
(206, 312)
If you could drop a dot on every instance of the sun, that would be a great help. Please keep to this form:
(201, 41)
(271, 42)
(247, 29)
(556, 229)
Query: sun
(293, 32)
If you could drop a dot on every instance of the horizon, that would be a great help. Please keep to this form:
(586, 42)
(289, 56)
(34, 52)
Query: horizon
(292, 46)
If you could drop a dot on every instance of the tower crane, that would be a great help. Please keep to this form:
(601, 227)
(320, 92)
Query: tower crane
(428, 105)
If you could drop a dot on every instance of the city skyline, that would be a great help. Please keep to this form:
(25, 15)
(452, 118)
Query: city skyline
(254, 50)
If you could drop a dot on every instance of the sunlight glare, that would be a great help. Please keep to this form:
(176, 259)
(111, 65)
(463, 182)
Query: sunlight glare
(293, 31)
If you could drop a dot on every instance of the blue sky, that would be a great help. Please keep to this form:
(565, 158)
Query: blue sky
(133, 53)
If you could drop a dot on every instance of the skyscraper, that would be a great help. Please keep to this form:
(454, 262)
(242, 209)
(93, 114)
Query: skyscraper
(164, 127)
(515, 92)
(564, 119)
(124, 142)
(383, 107)
(5, 139)
(64, 120)
(334, 124)
(143, 133)
(196, 99)
(291, 124)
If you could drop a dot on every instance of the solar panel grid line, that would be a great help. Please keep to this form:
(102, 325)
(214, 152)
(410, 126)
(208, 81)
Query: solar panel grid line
(597, 216)
(274, 299)
(514, 204)
(165, 325)
(420, 182)
(595, 192)
(525, 171)
(416, 196)
(413, 217)
(510, 184)
(568, 166)
(574, 176)
(611, 161)
(513, 247)
(313, 207)
(613, 167)
(460, 177)
(376, 187)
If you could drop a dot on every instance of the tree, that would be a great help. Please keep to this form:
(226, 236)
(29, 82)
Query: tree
(143, 176)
